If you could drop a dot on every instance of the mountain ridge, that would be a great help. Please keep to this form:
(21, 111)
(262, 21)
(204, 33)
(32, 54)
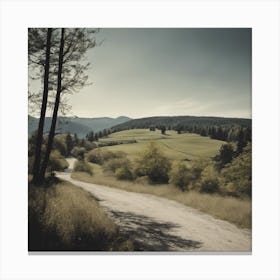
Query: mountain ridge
(80, 126)
(175, 121)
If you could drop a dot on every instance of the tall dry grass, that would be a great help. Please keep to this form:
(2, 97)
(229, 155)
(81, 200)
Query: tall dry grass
(65, 217)
(234, 210)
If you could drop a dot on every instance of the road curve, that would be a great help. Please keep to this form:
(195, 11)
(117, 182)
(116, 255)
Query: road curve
(159, 224)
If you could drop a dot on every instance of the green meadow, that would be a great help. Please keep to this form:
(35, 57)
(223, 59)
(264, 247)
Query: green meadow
(181, 147)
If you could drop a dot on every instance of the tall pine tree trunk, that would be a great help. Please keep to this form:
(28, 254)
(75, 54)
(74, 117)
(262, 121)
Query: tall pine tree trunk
(55, 111)
(37, 160)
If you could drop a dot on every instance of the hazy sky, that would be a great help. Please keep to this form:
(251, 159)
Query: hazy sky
(152, 72)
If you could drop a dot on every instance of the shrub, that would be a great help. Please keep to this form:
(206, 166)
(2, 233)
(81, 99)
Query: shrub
(154, 165)
(114, 163)
(209, 180)
(89, 145)
(78, 152)
(60, 145)
(236, 176)
(107, 155)
(180, 176)
(57, 162)
(209, 185)
(114, 143)
(124, 173)
(95, 156)
(100, 156)
(197, 168)
(225, 155)
(82, 166)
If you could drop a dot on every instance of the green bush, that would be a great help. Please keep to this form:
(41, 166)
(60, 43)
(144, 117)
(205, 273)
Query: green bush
(78, 152)
(89, 145)
(100, 156)
(180, 176)
(154, 165)
(236, 177)
(59, 144)
(124, 173)
(209, 180)
(107, 155)
(57, 162)
(197, 168)
(82, 166)
(225, 155)
(114, 163)
(95, 156)
(209, 186)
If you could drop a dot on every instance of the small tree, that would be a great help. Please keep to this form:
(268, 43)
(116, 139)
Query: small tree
(69, 144)
(76, 140)
(241, 143)
(78, 153)
(163, 129)
(180, 176)
(209, 180)
(90, 136)
(154, 165)
(237, 176)
(225, 155)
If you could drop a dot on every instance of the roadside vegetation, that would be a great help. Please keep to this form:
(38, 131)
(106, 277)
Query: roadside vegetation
(232, 209)
(63, 217)
(219, 185)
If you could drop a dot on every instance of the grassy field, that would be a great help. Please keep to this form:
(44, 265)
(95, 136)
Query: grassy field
(64, 217)
(175, 146)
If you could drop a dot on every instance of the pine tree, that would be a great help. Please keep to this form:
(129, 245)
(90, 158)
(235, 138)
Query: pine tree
(241, 143)
(69, 143)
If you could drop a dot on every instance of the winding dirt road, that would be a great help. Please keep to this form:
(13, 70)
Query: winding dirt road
(159, 224)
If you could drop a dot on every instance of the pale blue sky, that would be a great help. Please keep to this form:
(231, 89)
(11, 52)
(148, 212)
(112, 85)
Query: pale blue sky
(152, 72)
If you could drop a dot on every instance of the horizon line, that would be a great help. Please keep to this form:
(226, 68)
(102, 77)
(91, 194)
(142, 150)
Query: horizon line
(143, 117)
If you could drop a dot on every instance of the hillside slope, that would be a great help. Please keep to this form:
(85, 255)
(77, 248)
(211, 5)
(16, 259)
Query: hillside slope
(80, 126)
(173, 121)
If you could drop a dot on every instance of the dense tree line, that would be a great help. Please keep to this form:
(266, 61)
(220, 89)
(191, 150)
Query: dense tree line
(95, 136)
(185, 122)
(231, 133)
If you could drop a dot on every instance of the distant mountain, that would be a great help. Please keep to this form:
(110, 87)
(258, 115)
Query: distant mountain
(183, 121)
(80, 126)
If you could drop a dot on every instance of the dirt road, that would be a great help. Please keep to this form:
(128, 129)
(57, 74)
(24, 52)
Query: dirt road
(159, 224)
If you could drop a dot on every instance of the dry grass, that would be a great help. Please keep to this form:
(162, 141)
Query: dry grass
(234, 210)
(65, 217)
